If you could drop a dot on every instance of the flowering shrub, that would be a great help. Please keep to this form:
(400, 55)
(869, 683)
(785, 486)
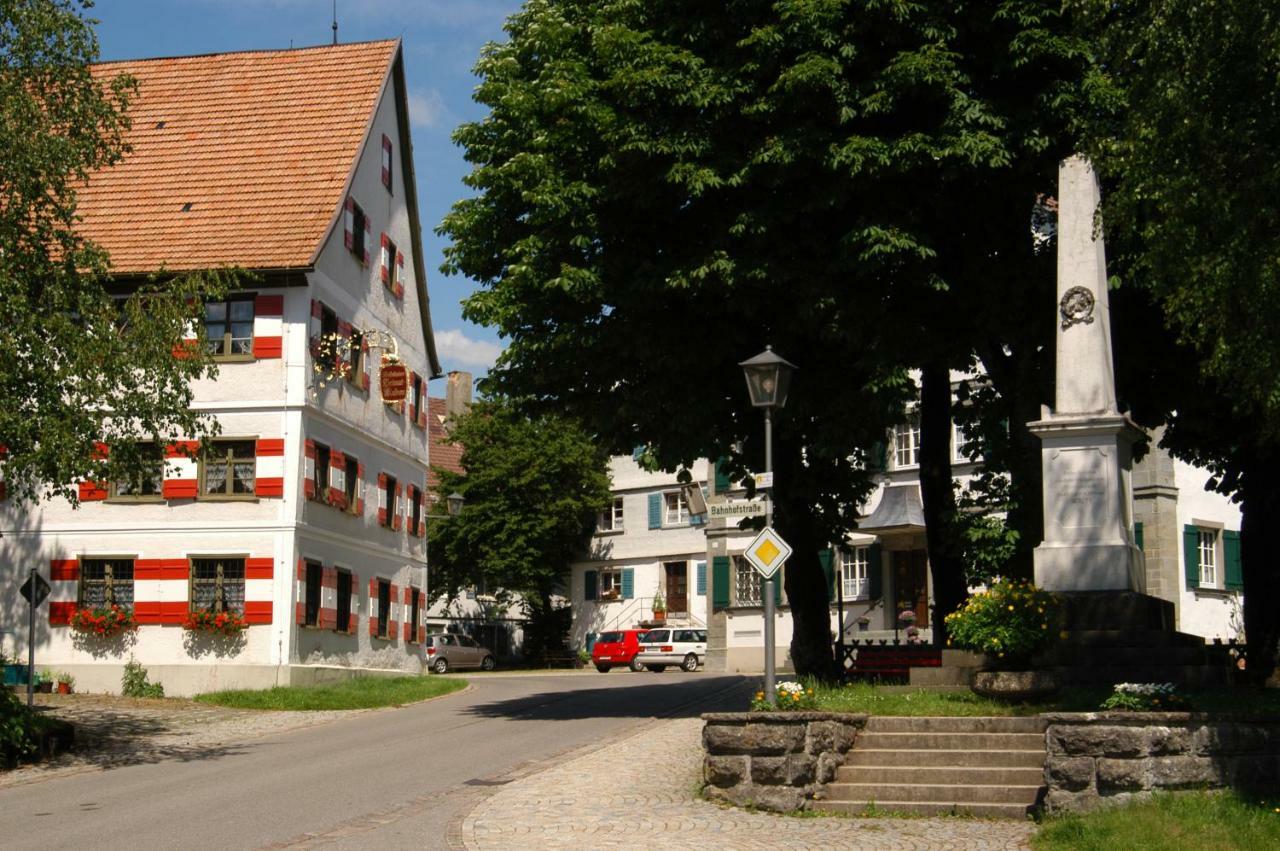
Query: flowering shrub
(217, 623)
(1147, 697)
(1011, 620)
(792, 697)
(103, 622)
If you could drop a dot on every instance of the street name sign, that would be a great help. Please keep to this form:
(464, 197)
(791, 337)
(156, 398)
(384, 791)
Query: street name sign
(736, 509)
(767, 552)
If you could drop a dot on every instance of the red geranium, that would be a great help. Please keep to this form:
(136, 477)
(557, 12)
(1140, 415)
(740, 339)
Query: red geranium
(221, 623)
(105, 622)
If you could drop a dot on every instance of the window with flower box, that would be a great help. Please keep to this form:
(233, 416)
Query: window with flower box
(105, 582)
(217, 584)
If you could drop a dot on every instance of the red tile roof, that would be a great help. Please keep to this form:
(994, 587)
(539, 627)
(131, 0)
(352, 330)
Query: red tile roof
(443, 454)
(259, 144)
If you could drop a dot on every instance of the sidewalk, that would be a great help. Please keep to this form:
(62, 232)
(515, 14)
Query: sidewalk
(639, 793)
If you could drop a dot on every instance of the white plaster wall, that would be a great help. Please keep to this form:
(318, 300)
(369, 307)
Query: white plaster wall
(1203, 612)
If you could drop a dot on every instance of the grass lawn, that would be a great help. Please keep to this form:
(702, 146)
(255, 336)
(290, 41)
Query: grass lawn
(358, 693)
(1226, 821)
(875, 700)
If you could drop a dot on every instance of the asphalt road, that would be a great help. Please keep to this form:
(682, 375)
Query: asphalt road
(390, 779)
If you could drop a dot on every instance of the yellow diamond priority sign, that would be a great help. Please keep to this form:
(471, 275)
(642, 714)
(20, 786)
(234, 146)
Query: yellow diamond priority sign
(767, 552)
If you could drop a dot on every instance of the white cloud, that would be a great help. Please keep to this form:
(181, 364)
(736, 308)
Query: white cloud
(457, 349)
(427, 109)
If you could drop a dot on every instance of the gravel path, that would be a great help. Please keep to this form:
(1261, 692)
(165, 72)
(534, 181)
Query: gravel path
(116, 731)
(639, 793)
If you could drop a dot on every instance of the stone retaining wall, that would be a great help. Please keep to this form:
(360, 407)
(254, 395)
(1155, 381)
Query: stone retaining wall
(774, 760)
(1098, 758)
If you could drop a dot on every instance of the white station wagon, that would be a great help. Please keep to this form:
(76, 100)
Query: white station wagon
(672, 646)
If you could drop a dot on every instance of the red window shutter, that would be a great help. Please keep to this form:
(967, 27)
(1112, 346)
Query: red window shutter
(300, 585)
(364, 382)
(368, 239)
(268, 305)
(382, 499)
(349, 225)
(359, 493)
(373, 602)
(309, 469)
(386, 161)
(337, 496)
(414, 380)
(397, 516)
(399, 287)
(422, 409)
(269, 447)
(386, 260)
(93, 491)
(392, 624)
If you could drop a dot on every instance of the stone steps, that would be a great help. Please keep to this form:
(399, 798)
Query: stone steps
(990, 767)
(887, 759)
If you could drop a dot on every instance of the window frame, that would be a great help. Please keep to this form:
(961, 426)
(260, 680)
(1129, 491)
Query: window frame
(911, 429)
(415, 599)
(351, 484)
(740, 564)
(358, 226)
(384, 609)
(323, 475)
(390, 497)
(108, 581)
(227, 337)
(344, 599)
(1216, 579)
(219, 581)
(615, 585)
(355, 358)
(959, 441)
(616, 516)
(227, 495)
(113, 494)
(414, 497)
(311, 613)
(852, 561)
(391, 249)
(681, 508)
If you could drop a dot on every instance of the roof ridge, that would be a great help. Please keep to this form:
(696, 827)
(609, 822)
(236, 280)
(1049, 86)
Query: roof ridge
(256, 52)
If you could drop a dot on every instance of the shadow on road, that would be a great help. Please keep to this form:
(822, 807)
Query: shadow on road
(686, 699)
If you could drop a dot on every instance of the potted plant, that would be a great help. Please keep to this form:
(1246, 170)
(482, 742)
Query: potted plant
(659, 607)
(906, 617)
(65, 682)
(1010, 622)
(44, 681)
(864, 623)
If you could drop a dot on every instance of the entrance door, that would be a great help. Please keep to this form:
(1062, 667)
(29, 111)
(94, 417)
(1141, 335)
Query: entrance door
(677, 591)
(911, 584)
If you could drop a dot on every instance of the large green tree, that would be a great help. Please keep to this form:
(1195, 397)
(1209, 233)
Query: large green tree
(533, 488)
(80, 364)
(663, 187)
(1184, 129)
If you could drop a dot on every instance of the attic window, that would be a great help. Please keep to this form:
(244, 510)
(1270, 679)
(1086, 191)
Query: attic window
(386, 162)
(186, 208)
(159, 125)
(357, 231)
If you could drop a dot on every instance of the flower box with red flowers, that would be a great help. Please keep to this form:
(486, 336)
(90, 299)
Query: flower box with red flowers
(217, 623)
(103, 622)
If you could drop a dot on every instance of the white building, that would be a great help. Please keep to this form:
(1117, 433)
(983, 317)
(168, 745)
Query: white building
(306, 519)
(1190, 538)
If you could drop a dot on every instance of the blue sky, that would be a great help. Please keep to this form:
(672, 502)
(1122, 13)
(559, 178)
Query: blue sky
(442, 39)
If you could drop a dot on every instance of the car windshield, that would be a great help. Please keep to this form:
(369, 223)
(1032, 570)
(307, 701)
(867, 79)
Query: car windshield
(609, 638)
(655, 636)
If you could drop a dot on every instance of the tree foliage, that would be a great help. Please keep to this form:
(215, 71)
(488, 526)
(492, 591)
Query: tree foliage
(82, 361)
(533, 487)
(664, 187)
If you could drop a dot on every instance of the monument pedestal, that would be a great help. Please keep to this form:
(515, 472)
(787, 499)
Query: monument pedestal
(1088, 497)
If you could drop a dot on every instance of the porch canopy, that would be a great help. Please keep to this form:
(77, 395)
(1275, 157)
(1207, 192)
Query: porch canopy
(899, 511)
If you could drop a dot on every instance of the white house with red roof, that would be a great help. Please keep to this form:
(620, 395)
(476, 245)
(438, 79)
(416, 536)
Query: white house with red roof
(307, 520)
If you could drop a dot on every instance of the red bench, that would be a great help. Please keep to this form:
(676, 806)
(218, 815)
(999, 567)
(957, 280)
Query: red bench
(881, 662)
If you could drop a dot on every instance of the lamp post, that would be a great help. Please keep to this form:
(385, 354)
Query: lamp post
(768, 380)
(453, 505)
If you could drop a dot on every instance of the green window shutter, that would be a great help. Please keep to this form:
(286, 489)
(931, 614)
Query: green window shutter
(590, 585)
(1191, 555)
(719, 582)
(655, 511)
(879, 455)
(628, 583)
(1137, 535)
(875, 580)
(702, 579)
(777, 588)
(825, 558)
(722, 476)
(1231, 551)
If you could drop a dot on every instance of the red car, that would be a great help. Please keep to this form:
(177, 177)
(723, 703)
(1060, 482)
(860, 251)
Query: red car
(617, 648)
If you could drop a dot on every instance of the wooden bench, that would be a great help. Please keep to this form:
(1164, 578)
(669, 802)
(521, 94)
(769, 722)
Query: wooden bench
(887, 662)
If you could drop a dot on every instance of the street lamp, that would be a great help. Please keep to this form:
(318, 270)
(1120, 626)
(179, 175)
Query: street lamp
(768, 377)
(454, 503)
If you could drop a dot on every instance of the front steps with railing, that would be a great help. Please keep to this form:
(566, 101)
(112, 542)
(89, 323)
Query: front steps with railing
(980, 766)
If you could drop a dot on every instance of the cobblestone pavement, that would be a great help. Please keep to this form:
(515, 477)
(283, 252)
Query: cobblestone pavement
(639, 793)
(116, 731)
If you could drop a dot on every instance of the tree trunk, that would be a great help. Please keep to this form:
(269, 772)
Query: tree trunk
(937, 495)
(1259, 555)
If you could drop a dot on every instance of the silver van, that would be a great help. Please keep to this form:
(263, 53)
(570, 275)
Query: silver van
(666, 646)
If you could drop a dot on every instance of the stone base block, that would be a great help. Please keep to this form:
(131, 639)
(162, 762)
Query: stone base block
(1089, 567)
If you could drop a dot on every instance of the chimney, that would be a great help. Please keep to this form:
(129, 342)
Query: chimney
(457, 394)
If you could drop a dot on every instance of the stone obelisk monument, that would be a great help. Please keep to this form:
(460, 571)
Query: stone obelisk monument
(1086, 442)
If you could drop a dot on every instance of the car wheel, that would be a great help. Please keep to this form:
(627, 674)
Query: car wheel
(636, 666)
(604, 669)
(657, 669)
(441, 666)
(690, 662)
(488, 664)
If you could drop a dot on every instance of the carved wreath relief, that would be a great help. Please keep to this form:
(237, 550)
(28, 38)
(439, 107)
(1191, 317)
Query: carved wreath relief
(1076, 307)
